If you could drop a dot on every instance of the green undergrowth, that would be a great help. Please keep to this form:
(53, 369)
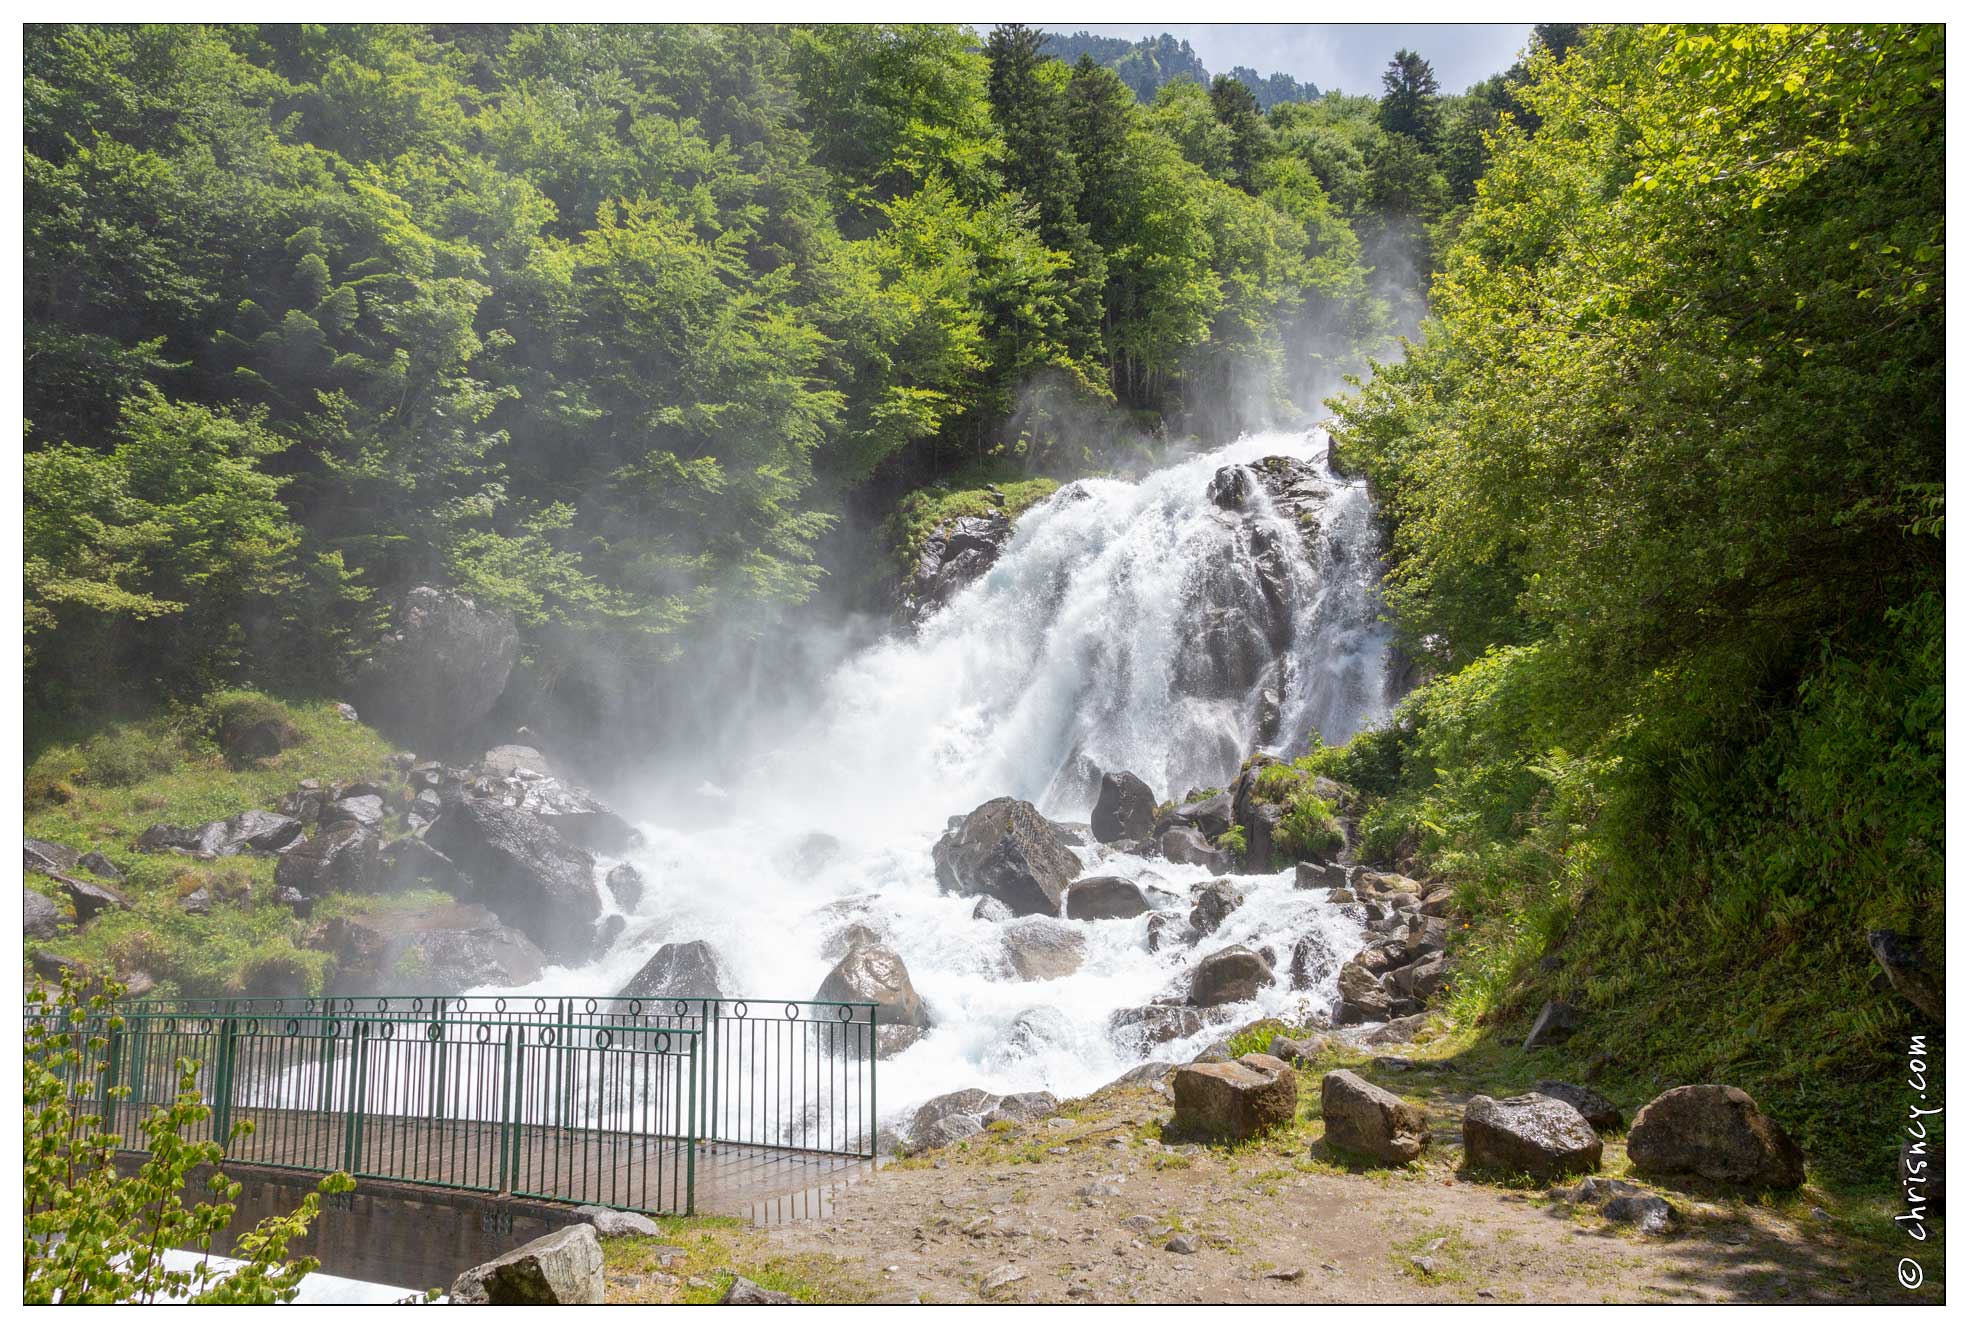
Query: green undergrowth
(966, 494)
(103, 789)
(1310, 827)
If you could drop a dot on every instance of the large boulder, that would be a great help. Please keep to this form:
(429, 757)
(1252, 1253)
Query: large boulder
(1215, 902)
(1714, 1131)
(563, 1268)
(1124, 810)
(954, 554)
(1210, 817)
(1597, 1108)
(1043, 948)
(1313, 960)
(47, 856)
(682, 969)
(409, 863)
(1531, 1134)
(1106, 897)
(41, 917)
(1006, 850)
(342, 858)
(876, 973)
(1363, 1000)
(1909, 971)
(1236, 973)
(972, 1102)
(248, 832)
(360, 809)
(1184, 844)
(1363, 1118)
(1235, 1100)
(526, 870)
(444, 663)
(451, 948)
(625, 884)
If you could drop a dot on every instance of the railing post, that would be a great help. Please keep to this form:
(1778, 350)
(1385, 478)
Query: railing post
(358, 1086)
(690, 1140)
(509, 1116)
(713, 1065)
(874, 1056)
(222, 1087)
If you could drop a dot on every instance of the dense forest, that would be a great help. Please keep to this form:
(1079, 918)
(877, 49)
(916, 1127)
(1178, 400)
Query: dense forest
(610, 326)
(1148, 65)
(1664, 475)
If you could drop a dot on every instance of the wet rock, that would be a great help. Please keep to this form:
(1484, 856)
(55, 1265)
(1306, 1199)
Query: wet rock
(513, 758)
(343, 858)
(249, 832)
(1232, 488)
(681, 969)
(41, 917)
(97, 865)
(1235, 1100)
(362, 810)
(744, 1292)
(877, 974)
(1908, 969)
(1006, 850)
(563, 1268)
(1210, 817)
(1236, 973)
(1147, 1026)
(1362, 998)
(991, 911)
(812, 853)
(1597, 1108)
(1532, 1134)
(1319, 877)
(1105, 897)
(1182, 844)
(1363, 1118)
(1124, 809)
(442, 666)
(451, 948)
(526, 870)
(955, 554)
(1169, 929)
(1313, 960)
(1038, 949)
(410, 863)
(1714, 1131)
(625, 884)
(1215, 901)
(1556, 1023)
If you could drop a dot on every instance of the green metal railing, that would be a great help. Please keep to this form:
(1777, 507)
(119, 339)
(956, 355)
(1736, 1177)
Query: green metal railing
(583, 1099)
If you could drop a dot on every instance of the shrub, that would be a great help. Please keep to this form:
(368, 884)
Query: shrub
(96, 1236)
(127, 754)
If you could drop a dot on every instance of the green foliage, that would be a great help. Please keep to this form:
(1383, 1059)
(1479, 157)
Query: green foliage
(94, 1236)
(603, 324)
(1663, 481)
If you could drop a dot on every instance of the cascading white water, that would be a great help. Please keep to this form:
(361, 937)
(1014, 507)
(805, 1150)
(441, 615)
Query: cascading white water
(1111, 634)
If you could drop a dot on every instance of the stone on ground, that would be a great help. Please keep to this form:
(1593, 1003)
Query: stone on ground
(1556, 1023)
(745, 1292)
(1235, 1100)
(563, 1268)
(1714, 1131)
(1532, 1134)
(618, 1222)
(1363, 1118)
(1597, 1108)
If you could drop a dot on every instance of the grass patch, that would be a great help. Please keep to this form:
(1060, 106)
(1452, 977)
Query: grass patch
(707, 1252)
(967, 494)
(171, 767)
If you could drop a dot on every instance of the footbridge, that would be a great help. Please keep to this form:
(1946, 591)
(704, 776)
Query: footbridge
(657, 1105)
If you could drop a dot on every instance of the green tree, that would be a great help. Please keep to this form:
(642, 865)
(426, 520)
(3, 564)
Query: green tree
(1408, 98)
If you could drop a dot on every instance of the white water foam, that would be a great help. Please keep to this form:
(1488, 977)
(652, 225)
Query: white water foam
(1068, 652)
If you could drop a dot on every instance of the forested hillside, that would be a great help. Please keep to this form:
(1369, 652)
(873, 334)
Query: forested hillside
(608, 326)
(1665, 480)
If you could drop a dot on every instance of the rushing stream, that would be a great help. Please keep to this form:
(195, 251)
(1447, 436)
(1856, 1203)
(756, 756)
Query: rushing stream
(1122, 628)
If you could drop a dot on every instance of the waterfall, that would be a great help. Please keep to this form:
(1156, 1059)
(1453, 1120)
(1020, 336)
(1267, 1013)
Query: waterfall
(1167, 626)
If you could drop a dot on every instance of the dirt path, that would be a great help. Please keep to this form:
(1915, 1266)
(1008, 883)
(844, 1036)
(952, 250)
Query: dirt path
(1082, 1208)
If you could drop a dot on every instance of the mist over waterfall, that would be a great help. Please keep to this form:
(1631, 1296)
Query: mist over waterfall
(1168, 626)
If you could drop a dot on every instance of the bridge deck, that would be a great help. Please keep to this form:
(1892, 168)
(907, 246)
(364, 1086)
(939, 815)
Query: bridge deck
(763, 1183)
